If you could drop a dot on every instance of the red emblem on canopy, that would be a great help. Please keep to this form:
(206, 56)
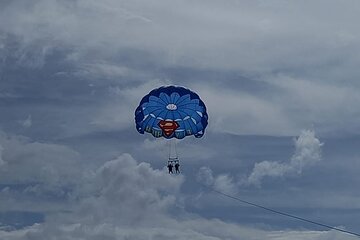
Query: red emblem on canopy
(168, 127)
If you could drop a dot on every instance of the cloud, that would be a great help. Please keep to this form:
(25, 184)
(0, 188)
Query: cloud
(311, 101)
(307, 153)
(82, 67)
(227, 34)
(260, 44)
(124, 199)
(227, 39)
(36, 177)
(2, 162)
(27, 122)
(205, 176)
(118, 112)
(237, 112)
(27, 161)
(134, 191)
(304, 235)
(222, 182)
(190, 229)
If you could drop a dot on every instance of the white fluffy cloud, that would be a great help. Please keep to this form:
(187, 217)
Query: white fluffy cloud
(126, 192)
(205, 176)
(123, 199)
(307, 153)
(222, 182)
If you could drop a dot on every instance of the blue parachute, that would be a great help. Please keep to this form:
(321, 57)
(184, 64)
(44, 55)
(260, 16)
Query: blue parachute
(171, 112)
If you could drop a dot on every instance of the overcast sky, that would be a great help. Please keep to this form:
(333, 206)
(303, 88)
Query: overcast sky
(280, 80)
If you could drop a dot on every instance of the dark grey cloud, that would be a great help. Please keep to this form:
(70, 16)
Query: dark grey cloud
(291, 65)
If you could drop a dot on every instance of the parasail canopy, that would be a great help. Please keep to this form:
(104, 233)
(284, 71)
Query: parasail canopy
(171, 112)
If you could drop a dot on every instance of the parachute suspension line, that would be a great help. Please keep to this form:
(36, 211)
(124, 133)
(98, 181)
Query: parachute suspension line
(169, 146)
(173, 160)
(281, 213)
(173, 155)
(176, 152)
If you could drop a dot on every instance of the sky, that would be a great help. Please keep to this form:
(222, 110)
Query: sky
(280, 82)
